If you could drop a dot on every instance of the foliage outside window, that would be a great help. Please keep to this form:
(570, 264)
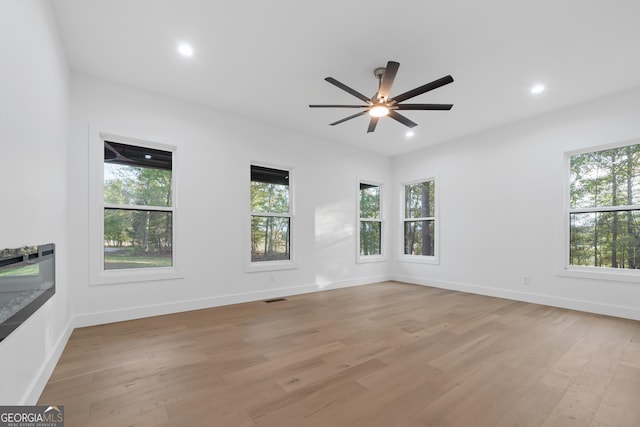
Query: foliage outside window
(138, 207)
(270, 214)
(604, 211)
(419, 218)
(370, 220)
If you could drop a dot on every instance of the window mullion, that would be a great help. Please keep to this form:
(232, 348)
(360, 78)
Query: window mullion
(270, 214)
(624, 208)
(138, 207)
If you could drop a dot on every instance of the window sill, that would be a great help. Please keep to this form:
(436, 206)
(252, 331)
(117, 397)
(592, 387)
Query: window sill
(599, 273)
(254, 267)
(371, 258)
(114, 277)
(419, 259)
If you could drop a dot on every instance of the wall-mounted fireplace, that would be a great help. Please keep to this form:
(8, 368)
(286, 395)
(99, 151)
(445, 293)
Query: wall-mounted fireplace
(27, 281)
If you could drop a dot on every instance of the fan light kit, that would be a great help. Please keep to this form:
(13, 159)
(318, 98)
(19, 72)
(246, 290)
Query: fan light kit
(379, 105)
(379, 110)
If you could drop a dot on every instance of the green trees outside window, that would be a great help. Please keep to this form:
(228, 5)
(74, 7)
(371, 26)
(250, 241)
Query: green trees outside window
(370, 220)
(419, 218)
(604, 211)
(138, 207)
(270, 214)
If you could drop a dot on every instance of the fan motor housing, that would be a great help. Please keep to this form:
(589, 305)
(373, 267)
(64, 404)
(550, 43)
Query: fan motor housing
(379, 72)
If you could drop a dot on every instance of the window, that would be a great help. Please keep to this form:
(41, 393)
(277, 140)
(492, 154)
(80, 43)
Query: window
(370, 230)
(138, 208)
(271, 214)
(604, 209)
(419, 219)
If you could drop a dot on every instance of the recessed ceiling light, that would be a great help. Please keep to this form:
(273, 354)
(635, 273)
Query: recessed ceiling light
(409, 133)
(147, 156)
(536, 89)
(185, 49)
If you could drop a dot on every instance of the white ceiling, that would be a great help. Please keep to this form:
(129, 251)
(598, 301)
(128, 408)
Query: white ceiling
(267, 60)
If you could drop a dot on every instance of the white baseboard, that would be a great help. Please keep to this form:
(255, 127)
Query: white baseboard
(138, 312)
(40, 380)
(554, 301)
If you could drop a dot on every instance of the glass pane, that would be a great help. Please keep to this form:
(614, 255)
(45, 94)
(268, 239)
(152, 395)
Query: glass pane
(137, 239)
(419, 200)
(135, 185)
(369, 201)
(419, 237)
(605, 239)
(270, 238)
(269, 197)
(370, 237)
(23, 269)
(15, 262)
(606, 178)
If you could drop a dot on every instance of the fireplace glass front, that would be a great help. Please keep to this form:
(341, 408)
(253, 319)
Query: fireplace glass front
(27, 281)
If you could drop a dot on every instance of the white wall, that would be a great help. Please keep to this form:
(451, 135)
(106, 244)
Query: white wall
(502, 208)
(214, 152)
(33, 123)
(501, 200)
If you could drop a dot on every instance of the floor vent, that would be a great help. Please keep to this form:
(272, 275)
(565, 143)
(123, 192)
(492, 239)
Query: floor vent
(274, 300)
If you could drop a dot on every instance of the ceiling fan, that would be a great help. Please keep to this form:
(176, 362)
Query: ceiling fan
(380, 105)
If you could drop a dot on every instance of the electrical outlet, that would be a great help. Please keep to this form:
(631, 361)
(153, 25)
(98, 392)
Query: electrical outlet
(272, 277)
(526, 280)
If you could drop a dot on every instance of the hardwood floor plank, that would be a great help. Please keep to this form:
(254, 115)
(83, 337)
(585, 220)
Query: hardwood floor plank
(336, 381)
(607, 339)
(387, 354)
(619, 404)
(536, 404)
(631, 355)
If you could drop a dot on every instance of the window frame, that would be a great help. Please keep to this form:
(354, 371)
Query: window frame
(381, 257)
(275, 265)
(98, 275)
(423, 259)
(589, 272)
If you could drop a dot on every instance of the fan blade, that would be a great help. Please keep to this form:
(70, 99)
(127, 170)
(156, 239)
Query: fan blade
(372, 124)
(339, 106)
(402, 119)
(424, 88)
(423, 106)
(348, 118)
(348, 89)
(387, 79)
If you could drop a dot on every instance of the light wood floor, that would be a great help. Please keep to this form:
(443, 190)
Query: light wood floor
(387, 354)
